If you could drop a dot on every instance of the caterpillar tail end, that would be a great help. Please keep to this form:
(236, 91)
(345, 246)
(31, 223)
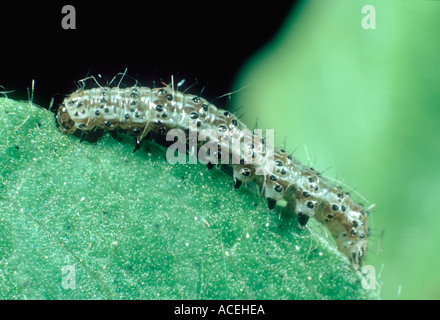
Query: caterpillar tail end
(64, 121)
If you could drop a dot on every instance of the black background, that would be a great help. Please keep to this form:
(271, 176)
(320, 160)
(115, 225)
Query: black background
(205, 42)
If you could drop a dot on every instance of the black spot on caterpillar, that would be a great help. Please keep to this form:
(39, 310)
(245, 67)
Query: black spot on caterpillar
(140, 111)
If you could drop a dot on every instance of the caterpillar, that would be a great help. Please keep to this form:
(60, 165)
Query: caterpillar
(283, 180)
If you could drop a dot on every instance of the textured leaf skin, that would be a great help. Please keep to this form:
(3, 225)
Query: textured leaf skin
(135, 227)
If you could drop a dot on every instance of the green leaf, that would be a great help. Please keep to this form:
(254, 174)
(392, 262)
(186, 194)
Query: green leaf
(363, 105)
(131, 226)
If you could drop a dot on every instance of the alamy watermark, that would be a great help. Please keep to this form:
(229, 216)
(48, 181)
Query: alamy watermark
(222, 146)
(368, 277)
(69, 20)
(68, 277)
(369, 19)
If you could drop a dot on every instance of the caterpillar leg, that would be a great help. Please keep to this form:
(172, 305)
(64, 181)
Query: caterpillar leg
(83, 136)
(303, 218)
(271, 203)
(137, 145)
(114, 134)
(237, 184)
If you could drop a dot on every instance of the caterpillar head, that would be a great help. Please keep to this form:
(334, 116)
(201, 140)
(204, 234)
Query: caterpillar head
(347, 221)
(352, 236)
(355, 250)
